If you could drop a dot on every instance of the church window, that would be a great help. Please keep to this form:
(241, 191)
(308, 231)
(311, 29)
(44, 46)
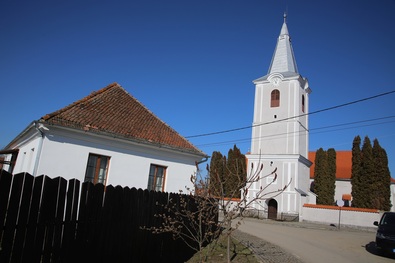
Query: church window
(275, 98)
(302, 103)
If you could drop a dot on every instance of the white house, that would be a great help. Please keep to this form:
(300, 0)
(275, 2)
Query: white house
(107, 137)
(280, 133)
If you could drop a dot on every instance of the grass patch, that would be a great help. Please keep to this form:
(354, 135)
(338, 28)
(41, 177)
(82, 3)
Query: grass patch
(216, 252)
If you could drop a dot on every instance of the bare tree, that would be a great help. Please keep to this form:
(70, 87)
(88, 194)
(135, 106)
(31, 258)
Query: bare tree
(232, 212)
(200, 220)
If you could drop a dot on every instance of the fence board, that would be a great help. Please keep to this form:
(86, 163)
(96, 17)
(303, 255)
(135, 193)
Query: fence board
(95, 222)
(136, 232)
(82, 218)
(30, 239)
(46, 220)
(128, 239)
(5, 188)
(105, 228)
(89, 221)
(12, 216)
(61, 185)
(116, 226)
(22, 217)
(142, 235)
(70, 220)
(148, 218)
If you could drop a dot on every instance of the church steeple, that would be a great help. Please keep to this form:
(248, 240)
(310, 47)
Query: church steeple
(283, 60)
(280, 130)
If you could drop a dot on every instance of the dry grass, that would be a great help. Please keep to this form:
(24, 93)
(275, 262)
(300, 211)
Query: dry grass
(216, 252)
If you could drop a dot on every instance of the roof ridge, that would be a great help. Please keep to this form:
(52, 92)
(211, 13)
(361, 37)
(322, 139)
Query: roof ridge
(86, 98)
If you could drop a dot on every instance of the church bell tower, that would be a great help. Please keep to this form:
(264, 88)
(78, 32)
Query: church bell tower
(280, 132)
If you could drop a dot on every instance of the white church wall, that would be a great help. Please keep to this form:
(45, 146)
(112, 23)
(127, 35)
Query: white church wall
(288, 172)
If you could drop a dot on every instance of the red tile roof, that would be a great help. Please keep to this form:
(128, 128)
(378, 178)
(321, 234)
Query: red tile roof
(114, 112)
(343, 164)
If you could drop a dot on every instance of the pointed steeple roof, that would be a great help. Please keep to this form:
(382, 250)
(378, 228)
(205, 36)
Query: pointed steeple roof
(283, 60)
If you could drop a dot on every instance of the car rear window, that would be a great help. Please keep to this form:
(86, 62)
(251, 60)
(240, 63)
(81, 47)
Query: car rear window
(388, 219)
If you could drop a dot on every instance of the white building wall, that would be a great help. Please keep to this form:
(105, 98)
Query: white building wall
(66, 154)
(288, 168)
(342, 187)
(28, 151)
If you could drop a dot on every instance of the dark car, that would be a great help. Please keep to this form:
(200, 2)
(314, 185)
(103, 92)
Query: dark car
(385, 236)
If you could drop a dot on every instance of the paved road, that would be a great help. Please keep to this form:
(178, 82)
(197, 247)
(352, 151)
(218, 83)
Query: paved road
(315, 243)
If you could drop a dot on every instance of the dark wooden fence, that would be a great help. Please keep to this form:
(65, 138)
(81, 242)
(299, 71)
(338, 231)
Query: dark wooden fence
(52, 220)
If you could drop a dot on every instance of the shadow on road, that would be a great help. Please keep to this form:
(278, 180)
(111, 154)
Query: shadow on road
(372, 249)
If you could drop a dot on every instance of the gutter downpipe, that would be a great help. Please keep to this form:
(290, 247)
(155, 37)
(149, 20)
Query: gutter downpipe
(40, 146)
(203, 160)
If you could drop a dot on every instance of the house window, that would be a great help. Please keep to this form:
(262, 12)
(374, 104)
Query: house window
(302, 103)
(275, 98)
(156, 178)
(8, 159)
(96, 169)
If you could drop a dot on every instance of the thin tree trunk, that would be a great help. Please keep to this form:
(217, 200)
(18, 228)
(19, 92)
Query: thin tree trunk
(228, 245)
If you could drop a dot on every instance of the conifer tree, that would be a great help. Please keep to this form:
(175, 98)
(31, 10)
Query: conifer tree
(357, 187)
(217, 173)
(236, 171)
(321, 177)
(331, 161)
(367, 174)
(227, 174)
(381, 187)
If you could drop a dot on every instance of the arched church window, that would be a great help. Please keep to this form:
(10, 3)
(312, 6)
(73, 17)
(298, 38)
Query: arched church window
(275, 98)
(302, 103)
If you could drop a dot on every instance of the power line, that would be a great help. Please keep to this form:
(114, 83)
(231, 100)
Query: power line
(312, 131)
(306, 114)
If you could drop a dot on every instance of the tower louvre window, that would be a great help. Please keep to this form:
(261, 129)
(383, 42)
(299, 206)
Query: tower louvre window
(302, 103)
(275, 98)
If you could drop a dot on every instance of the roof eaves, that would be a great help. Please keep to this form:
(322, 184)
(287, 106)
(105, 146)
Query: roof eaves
(79, 128)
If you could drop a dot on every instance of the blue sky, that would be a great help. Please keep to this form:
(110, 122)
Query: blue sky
(193, 62)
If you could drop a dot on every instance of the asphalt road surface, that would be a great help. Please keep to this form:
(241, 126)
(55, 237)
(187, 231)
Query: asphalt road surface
(314, 243)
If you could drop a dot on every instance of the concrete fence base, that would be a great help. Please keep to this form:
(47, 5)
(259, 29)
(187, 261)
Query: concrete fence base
(346, 216)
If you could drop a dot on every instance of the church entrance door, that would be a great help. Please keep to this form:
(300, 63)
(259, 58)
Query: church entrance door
(272, 209)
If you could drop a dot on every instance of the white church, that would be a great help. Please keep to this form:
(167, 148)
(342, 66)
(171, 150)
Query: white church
(280, 134)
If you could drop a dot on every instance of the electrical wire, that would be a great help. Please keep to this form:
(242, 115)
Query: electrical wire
(311, 131)
(306, 114)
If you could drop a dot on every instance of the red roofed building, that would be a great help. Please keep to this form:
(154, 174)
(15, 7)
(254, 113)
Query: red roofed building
(343, 176)
(107, 137)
